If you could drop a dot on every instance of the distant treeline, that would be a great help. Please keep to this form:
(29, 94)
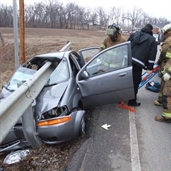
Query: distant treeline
(54, 14)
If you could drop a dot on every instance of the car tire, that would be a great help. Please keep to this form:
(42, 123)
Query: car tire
(82, 127)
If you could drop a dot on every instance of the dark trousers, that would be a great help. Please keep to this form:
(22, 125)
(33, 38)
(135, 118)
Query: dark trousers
(137, 72)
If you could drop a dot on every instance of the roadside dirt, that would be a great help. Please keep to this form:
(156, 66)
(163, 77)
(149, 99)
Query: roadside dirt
(38, 41)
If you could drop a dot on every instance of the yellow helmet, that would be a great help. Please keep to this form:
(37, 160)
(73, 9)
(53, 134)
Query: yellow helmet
(163, 32)
(166, 27)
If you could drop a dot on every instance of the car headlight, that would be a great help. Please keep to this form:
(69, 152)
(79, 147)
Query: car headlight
(55, 112)
(54, 121)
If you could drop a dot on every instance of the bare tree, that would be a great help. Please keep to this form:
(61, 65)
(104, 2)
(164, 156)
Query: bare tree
(61, 15)
(51, 11)
(73, 14)
(115, 15)
(39, 14)
(94, 17)
(135, 16)
(53, 14)
(6, 16)
(103, 17)
(30, 16)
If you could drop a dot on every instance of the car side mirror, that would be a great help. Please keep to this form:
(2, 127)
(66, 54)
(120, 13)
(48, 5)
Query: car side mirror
(84, 75)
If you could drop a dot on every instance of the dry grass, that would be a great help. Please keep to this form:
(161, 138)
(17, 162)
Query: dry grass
(39, 41)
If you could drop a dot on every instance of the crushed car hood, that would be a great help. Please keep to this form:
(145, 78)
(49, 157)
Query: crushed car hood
(49, 97)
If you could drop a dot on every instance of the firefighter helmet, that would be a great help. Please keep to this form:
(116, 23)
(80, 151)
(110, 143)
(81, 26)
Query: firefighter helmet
(164, 31)
(166, 28)
(113, 30)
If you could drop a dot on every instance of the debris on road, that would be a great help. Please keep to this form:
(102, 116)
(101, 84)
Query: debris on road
(15, 156)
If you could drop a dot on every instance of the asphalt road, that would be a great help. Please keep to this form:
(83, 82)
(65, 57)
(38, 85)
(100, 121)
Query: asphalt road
(134, 142)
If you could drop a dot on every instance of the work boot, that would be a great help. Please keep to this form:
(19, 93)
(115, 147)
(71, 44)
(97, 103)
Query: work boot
(157, 103)
(133, 102)
(162, 119)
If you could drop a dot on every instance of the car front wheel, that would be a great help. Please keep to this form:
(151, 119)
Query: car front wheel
(82, 127)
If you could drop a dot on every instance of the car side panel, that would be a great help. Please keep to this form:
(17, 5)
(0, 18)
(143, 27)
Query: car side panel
(107, 88)
(61, 132)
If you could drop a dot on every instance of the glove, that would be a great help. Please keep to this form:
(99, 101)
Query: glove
(148, 71)
(166, 77)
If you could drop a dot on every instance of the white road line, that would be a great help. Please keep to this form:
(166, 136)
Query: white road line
(135, 160)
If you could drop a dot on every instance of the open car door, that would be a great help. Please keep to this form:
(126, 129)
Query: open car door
(107, 77)
(88, 53)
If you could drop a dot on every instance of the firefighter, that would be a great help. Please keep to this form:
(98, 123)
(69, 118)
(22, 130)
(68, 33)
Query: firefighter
(166, 39)
(114, 37)
(112, 60)
(166, 78)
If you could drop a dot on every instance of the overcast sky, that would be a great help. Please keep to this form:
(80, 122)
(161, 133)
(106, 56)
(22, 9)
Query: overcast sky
(153, 8)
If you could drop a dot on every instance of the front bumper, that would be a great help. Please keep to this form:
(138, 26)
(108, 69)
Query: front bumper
(61, 132)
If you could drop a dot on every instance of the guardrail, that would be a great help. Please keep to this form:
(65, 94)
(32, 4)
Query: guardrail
(19, 102)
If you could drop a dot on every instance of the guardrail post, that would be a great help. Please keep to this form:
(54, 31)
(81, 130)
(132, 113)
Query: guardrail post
(29, 128)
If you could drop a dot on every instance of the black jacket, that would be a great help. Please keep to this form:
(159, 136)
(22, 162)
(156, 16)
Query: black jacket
(144, 48)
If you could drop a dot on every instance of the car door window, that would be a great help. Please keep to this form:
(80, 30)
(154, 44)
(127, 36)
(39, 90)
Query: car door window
(113, 59)
(89, 53)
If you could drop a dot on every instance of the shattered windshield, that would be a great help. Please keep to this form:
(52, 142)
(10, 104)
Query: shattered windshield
(19, 77)
(60, 74)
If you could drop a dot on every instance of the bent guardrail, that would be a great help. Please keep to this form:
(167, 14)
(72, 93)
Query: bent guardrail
(18, 103)
(12, 108)
(66, 47)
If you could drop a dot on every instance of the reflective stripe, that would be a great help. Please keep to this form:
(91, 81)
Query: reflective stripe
(103, 46)
(149, 61)
(160, 94)
(168, 54)
(138, 61)
(169, 69)
(109, 65)
(166, 115)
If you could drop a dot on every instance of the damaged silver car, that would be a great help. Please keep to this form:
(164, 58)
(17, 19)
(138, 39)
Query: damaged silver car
(75, 85)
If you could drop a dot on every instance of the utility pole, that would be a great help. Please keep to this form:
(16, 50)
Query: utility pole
(22, 32)
(15, 26)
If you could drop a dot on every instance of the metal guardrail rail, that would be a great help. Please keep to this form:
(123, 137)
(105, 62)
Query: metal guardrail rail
(19, 102)
(12, 108)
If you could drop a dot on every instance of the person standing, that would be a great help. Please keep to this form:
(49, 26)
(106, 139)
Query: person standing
(166, 42)
(114, 37)
(144, 50)
(166, 78)
(166, 92)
